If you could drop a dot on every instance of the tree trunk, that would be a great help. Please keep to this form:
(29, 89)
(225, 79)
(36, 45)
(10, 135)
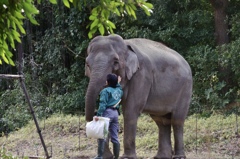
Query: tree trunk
(221, 35)
(221, 24)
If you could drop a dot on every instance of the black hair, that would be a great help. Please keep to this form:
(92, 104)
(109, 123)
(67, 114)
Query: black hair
(112, 80)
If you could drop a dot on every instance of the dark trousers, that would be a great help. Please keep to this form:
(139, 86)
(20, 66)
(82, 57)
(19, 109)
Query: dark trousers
(113, 125)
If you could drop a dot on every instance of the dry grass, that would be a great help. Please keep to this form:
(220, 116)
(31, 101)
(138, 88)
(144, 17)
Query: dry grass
(210, 138)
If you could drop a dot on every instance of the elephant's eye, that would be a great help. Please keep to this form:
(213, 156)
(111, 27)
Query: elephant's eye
(115, 62)
(87, 62)
(87, 65)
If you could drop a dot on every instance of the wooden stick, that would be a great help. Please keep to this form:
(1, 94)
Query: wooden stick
(10, 76)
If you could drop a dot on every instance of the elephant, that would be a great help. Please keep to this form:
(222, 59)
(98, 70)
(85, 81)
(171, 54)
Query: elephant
(156, 80)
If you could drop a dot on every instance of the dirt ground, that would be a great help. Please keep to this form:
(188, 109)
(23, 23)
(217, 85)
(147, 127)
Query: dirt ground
(67, 142)
(70, 149)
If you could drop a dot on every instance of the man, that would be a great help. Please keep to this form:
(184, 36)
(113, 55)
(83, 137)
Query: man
(110, 98)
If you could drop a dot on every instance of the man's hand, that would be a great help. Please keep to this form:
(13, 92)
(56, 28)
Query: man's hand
(119, 79)
(96, 118)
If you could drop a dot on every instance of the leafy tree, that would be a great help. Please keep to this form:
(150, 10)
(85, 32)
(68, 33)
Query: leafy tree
(11, 25)
(13, 14)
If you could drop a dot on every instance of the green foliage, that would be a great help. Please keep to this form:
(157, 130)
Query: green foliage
(14, 110)
(178, 24)
(14, 113)
(100, 14)
(5, 155)
(69, 102)
(235, 24)
(62, 73)
(209, 86)
(11, 25)
(230, 58)
(13, 15)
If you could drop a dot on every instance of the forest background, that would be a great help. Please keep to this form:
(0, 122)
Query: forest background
(205, 32)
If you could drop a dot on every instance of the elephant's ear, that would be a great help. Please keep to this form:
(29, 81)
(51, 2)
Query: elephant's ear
(132, 63)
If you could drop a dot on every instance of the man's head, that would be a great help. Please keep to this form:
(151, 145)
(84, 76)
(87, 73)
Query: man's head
(112, 80)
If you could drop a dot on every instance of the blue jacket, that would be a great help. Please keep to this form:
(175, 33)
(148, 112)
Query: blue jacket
(109, 96)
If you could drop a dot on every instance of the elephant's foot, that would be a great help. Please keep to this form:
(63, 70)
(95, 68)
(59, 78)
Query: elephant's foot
(179, 157)
(108, 155)
(157, 157)
(163, 155)
(128, 157)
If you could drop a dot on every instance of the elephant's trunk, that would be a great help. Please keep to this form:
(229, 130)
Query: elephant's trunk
(95, 85)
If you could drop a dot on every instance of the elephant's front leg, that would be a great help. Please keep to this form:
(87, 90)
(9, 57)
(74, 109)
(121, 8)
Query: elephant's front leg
(130, 125)
(107, 153)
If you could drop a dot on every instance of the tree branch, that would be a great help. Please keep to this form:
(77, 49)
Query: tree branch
(10, 76)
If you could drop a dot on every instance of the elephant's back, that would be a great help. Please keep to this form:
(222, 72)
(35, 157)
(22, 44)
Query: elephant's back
(145, 45)
(158, 55)
(152, 49)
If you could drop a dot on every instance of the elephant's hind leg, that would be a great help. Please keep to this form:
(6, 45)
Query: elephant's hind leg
(178, 138)
(164, 136)
(178, 119)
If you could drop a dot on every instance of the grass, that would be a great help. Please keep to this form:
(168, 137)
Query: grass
(64, 135)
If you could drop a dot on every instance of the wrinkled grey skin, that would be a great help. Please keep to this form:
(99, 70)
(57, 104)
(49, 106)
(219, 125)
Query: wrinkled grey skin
(156, 80)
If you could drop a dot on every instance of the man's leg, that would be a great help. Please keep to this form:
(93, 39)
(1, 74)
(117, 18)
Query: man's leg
(101, 145)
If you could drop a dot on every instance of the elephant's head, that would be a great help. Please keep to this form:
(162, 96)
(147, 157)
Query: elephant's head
(107, 54)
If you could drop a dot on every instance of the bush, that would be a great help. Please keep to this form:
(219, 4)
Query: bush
(5, 155)
(214, 88)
